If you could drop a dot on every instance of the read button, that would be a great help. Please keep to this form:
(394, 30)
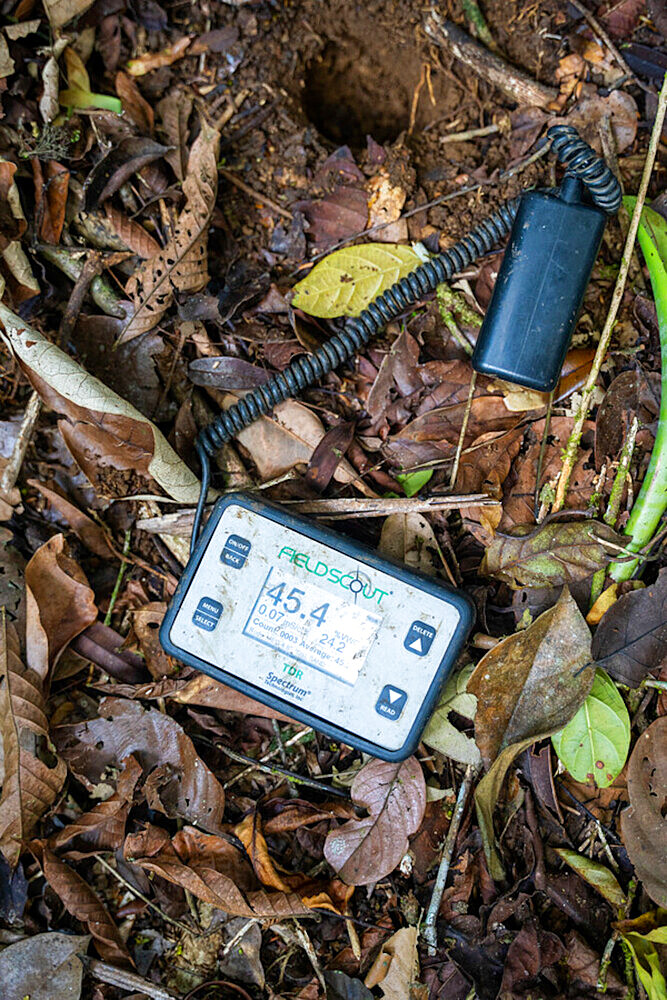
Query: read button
(391, 702)
(419, 638)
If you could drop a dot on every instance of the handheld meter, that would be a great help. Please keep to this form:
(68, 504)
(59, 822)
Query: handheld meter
(315, 625)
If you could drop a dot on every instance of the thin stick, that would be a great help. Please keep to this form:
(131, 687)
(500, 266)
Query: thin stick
(572, 448)
(233, 179)
(128, 885)
(10, 473)
(471, 133)
(237, 937)
(614, 505)
(119, 579)
(428, 930)
(130, 982)
(462, 434)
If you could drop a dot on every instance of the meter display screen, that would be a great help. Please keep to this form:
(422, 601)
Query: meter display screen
(312, 625)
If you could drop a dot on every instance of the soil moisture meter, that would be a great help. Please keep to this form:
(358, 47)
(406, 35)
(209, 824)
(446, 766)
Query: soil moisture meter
(320, 628)
(313, 624)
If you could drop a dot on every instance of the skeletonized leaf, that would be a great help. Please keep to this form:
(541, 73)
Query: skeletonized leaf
(178, 783)
(211, 869)
(44, 967)
(100, 425)
(346, 281)
(594, 744)
(595, 874)
(644, 823)
(631, 638)
(183, 264)
(365, 850)
(29, 786)
(441, 734)
(551, 554)
(84, 904)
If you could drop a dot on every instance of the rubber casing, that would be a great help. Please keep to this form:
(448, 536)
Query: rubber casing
(540, 288)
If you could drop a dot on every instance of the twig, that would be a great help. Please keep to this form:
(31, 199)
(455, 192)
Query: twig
(241, 933)
(572, 448)
(516, 84)
(429, 930)
(261, 198)
(603, 36)
(119, 578)
(543, 451)
(464, 427)
(471, 133)
(128, 885)
(614, 505)
(268, 756)
(10, 473)
(128, 981)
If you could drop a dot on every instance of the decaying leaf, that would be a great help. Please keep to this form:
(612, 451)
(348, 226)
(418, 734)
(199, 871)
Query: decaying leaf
(409, 539)
(594, 744)
(396, 969)
(631, 638)
(100, 427)
(211, 869)
(346, 281)
(178, 783)
(60, 12)
(365, 850)
(644, 823)
(84, 904)
(44, 967)
(527, 687)
(102, 828)
(182, 265)
(87, 530)
(117, 166)
(441, 734)
(552, 554)
(204, 691)
(30, 786)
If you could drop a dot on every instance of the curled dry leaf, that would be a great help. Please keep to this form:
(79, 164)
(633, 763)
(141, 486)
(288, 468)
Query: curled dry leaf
(527, 687)
(178, 782)
(120, 163)
(631, 638)
(101, 428)
(396, 968)
(44, 967)
(249, 832)
(84, 904)
(90, 533)
(102, 828)
(644, 824)
(60, 604)
(211, 869)
(182, 265)
(135, 105)
(365, 850)
(204, 691)
(552, 554)
(30, 786)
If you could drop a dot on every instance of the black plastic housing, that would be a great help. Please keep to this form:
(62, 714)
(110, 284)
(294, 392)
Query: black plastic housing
(540, 288)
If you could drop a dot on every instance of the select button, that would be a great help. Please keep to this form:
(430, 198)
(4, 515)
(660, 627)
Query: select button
(207, 614)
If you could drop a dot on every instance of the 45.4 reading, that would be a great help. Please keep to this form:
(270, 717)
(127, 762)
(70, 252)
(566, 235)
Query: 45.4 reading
(290, 603)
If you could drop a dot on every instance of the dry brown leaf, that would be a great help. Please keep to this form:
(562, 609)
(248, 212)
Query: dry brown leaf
(84, 904)
(396, 968)
(102, 429)
(135, 105)
(249, 832)
(146, 622)
(365, 850)
(182, 265)
(174, 111)
(204, 691)
(178, 783)
(644, 824)
(12, 221)
(29, 786)
(102, 828)
(51, 187)
(60, 12)
(60, 604)
(198, 863)
(90, 533)
(133, 235)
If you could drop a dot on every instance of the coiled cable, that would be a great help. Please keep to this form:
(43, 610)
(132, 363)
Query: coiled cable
(581, 161)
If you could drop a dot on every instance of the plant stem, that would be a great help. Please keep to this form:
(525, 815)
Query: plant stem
(614, 505)
(572, 447)
(119, 579)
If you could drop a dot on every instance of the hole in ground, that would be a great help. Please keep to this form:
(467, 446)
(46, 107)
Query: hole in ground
(364, 85)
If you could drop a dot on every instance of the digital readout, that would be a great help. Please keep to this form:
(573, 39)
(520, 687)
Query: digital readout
(312, 625)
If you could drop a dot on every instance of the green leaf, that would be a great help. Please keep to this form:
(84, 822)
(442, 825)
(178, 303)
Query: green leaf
(596, 875)
(412, 482)
(83, 99)
(346, 281)
(594, 744)
(647, 963)
(441, 734)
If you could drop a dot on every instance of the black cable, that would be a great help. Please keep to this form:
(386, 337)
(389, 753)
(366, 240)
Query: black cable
(581, 161)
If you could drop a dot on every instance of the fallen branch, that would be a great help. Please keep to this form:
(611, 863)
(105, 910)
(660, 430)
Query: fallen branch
(517, 85)
(572, 447)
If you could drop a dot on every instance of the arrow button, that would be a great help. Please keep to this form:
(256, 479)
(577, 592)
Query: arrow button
(419, 638)
(391, 702)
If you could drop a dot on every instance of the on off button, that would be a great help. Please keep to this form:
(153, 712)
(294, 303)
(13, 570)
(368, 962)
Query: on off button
(236, 551)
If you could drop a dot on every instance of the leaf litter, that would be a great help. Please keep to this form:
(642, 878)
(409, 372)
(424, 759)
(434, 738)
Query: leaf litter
(185, 207)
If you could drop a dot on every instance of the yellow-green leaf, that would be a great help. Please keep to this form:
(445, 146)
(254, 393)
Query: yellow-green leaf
(346, 281)
(596, 875)
(76, 73)
(594, 744)
(83, 99)
(441, 734)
